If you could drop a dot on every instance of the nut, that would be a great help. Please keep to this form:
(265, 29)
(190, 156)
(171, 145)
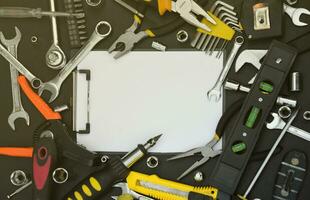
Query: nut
(152, 162)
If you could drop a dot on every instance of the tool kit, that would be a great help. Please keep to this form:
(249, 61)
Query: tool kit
(154, 99)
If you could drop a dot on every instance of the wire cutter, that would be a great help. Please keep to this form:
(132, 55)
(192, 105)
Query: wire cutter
(187, 9)
(125, 42)
(206, 151)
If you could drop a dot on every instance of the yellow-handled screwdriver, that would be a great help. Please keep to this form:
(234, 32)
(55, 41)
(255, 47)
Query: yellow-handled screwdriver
(162, 189)
(116, 170)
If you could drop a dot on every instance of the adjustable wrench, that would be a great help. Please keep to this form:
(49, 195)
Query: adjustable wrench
(102, 30)
(278, 123)
(216, 91)
(55, 57)
(18, 110)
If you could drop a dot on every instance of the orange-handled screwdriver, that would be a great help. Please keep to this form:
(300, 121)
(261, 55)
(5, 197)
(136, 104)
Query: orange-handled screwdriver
(24, 152)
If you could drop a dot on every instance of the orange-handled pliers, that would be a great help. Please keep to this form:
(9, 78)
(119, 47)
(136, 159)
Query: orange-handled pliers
(187, 9)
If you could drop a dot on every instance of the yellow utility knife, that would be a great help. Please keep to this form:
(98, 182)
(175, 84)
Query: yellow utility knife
(155, 187)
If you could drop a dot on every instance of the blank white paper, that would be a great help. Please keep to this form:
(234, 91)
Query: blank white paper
(144, 94)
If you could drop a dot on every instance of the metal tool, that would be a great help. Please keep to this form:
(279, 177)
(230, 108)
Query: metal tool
(284, 112)
(156, 187)
(182, 36)
(158, 46)
(22, 12)
(61, 108)
(125, 190)
(198, 176)
(295, 14)
(129, 7)
(295, 82)
(55, 57)
(101, 181)
(60, 175)
(290, 176)
(291, 2)
(188, 10)
(93, 3)
(200, 38)
(102, 30)
(77, 27)
(18, 110)
(284, 130)
(216, 90)
(152, 162)
(34, 81)
(252, 57)
(126, 41)
(307, 115)
(206, 151)
(9, 196)
(278, 123)
(211, 40)
(19, 178)
(235, 86)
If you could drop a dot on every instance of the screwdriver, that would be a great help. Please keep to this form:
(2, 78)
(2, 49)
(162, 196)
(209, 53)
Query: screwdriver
(116, 170)
(23, 12)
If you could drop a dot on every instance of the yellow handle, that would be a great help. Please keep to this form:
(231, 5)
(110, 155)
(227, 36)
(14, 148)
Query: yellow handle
(163, 6)
(134, 178)
(220, 29)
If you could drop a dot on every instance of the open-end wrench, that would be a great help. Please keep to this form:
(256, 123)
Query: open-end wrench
(35, 82)
(18, 110)
(295, 14)
(278, 123)
(251, 56)
(216, 91)
(102, 30)
(55, 56)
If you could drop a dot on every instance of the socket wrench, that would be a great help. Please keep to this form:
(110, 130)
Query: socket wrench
(102, 30)
(216, 91)
(18, 110)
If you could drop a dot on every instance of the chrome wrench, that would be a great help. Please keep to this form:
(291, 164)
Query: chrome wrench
(34, 81)
(102, 30)
(18, 110)
(216, 90)
(55, 56)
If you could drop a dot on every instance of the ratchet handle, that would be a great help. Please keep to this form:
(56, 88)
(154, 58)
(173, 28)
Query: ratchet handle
(37, 101)
(19, 12)
(99, 182)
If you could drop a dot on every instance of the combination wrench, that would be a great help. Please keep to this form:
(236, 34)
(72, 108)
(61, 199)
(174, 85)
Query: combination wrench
(34, 81)
(55, 56)
(102, 30)
(18, 110)
(216, 91)
(279, 123)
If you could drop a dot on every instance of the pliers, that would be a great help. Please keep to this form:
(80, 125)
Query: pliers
(125, 42)
(207, 151)
(187, 9)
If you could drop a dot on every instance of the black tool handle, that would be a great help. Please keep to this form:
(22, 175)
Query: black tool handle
(44, 160)
(99, 182)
